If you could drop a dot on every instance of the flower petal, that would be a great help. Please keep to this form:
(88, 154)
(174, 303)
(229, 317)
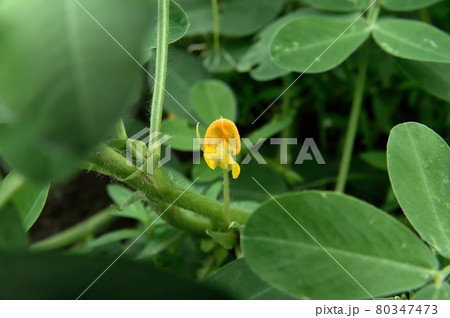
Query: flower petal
(235, 170)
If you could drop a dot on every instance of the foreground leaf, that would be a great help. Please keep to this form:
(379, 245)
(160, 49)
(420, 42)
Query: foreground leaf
(238, 281)
(419, 168)
(413, 40)
(300, 43)
(53, 276)
(66, 90)
(382, 254)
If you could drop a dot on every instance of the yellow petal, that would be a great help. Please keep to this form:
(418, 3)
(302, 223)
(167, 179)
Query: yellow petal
(199, 138)
(235, 170)
(212, 163)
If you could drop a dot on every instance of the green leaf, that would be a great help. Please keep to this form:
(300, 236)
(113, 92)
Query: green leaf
(54, 276)
(30, 201)
(237, 17)
(226, 239)
(434, 292)
(183, 71)
(340, 5)
(271, 128)
(433, 77)
(178, 23)
(213, 99)
(13, 236)
(382, 254)
(238, 281)
(298, 45)
(205, 173)
(113, 237)
(214, 190)
(182, 134)
(414, 40)
(419, 169)
(376, 159)
(66, 90)
(257, 60)
(406, 5)
(136, 211)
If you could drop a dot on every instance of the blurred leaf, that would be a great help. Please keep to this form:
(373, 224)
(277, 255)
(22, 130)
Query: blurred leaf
(65, 90)
(413, 40)
(376, 159)
(183, 71)
(113, 237)
(434, 77)
(178, 23)
(137, 210)
(230, 53)
(407, 5)
(13, 235)
(237, 17)
(244, 188)
(205, 173)
(419, 169)
(182, 134)
(214, 190)
(226, 239)
(299, 43)
(434, 292)
(340, 5)
(30, 201)
(257, 60)
(53, 276)
(382, 254)
(269, 129)
(239, 282)
(213, 99)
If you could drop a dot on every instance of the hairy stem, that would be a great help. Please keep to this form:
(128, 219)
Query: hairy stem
(226, 196)
(162, 50)
(158, 186)
(354, 117)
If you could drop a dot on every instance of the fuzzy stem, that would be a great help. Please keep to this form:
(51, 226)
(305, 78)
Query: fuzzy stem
(354, 118)
(162, 50)
(226, 196)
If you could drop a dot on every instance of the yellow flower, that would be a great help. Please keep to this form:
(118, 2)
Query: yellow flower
(221, 143)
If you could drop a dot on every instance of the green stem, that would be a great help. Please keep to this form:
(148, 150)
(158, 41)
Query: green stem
(354, 117)
(216, 32)
(76, 233)
(10, 186)
(226, 196)
(162, 50)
